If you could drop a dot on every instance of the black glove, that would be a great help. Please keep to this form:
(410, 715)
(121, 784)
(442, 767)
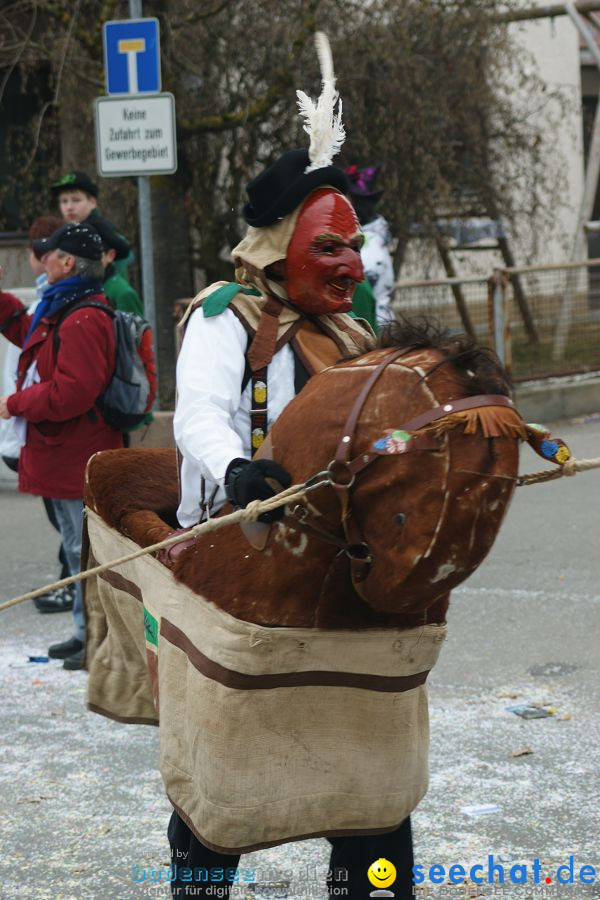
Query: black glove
(246, 481)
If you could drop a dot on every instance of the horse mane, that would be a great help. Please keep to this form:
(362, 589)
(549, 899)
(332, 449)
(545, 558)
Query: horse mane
(480, 369)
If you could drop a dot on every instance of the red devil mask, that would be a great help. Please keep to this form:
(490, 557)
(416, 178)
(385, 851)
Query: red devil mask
(323, 263)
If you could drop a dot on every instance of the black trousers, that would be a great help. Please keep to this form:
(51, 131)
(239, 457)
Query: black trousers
(349, 862)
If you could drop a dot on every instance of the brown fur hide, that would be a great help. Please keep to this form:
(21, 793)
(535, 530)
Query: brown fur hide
(134, 491)
(453, 500)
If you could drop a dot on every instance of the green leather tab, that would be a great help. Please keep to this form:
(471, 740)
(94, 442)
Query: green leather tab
(151, 628)
(219, 300)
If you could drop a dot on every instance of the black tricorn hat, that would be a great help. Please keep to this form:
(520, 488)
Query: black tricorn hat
(283, 186)
(78, 240)
(74, 181)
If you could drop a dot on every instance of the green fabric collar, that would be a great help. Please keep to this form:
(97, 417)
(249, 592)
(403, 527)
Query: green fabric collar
(219, 300)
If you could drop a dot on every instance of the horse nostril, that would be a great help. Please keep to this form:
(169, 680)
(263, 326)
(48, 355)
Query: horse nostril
(399, 518)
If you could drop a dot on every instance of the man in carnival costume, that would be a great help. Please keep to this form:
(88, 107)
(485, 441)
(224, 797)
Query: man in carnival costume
(249, 347)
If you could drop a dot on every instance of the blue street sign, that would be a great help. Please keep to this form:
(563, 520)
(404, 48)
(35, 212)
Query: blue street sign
(132, 56)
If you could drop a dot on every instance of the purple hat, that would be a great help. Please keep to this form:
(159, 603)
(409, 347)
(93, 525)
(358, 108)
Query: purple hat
(362, 182)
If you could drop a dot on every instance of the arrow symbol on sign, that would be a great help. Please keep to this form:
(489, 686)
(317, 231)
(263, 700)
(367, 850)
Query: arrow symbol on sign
(132, 46)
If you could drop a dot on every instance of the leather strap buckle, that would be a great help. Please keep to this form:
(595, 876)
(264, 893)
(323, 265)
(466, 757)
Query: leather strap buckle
(299, 513)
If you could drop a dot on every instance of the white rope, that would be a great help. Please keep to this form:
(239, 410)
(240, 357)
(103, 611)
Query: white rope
(571, 467)
(249, 513)
(253, 510)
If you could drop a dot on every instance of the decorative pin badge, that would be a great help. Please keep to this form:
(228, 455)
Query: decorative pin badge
(393, 441)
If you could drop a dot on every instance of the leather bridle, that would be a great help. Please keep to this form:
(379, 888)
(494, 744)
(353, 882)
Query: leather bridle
(342, 471)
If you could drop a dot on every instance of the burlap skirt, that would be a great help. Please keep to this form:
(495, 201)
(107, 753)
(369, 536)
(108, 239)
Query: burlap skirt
(267, 735)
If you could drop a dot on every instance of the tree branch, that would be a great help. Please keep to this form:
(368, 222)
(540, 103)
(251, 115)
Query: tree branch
(282, 81)
(20, 52)
(54, 101)
(198, 16)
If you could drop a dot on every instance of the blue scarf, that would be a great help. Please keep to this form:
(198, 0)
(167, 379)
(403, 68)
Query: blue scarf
(61, 294)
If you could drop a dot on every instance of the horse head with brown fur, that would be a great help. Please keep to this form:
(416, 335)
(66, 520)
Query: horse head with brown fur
(415, 451)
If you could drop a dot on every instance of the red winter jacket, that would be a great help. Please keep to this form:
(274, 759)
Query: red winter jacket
(64, 428)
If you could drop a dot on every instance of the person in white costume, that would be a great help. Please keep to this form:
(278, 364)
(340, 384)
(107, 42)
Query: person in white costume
(375, 253)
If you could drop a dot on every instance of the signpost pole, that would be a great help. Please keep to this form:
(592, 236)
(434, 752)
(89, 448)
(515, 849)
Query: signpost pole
(146, 238)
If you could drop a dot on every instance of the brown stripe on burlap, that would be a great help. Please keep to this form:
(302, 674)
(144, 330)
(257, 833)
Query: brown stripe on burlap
(122, 584)
(243, 682)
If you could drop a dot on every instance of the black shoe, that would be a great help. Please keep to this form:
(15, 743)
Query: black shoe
(60, 600)
(66, 649)
(75, 661)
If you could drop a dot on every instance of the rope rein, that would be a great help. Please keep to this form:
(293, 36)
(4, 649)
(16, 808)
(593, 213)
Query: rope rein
(571, 467)
(255, 508)
(249, 513)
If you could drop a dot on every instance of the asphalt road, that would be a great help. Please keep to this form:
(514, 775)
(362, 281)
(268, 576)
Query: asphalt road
(81, 800)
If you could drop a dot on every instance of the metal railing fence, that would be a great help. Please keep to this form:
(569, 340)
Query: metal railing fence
(542, 320)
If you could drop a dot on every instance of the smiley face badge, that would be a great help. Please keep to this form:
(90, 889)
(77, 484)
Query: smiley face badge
(381, 874)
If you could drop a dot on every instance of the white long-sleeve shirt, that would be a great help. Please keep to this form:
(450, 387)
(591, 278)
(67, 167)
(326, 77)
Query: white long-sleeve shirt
(212, 418)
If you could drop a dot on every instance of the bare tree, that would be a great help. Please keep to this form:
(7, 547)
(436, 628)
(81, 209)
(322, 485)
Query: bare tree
(430, 89)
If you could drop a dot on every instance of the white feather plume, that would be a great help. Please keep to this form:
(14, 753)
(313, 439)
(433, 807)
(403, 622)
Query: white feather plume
(321, 123)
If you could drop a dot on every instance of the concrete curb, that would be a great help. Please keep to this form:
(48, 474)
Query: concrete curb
(558, 398)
